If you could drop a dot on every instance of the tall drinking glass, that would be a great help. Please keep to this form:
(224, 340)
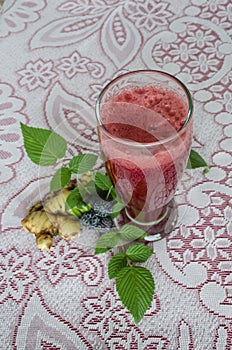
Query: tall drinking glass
(145, 134)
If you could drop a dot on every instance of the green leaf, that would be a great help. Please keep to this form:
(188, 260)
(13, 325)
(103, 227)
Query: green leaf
(113, 193)
(102, 181)
(84, 189)
(196, 161)
(76, 212)
(117, 262)
(43, 147)
(135, 286)
(82, 163)
(106, 242)
(206, 170)
(130, 233)
(117, 207)
(73, 199)
(139, 252)
(109, 192)
(90, 187)
(60, 179)
(75, 203)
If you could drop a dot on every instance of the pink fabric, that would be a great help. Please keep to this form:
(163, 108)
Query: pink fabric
(55, 58)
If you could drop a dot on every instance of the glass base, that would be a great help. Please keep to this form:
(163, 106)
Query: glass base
(159, 228)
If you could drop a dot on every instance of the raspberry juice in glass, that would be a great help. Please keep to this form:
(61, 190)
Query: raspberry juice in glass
(145, 134)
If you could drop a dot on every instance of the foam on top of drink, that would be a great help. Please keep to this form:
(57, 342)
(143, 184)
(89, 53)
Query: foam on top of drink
(144, 114)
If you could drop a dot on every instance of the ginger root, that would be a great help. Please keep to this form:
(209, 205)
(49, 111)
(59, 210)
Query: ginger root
(48, 218)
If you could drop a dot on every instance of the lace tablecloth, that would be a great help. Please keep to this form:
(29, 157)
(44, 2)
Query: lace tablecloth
(55, 58)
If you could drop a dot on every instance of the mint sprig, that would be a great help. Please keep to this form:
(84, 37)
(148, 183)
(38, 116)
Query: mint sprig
(127, 233)
(117, 208)
(104, 183)
(136, 253)
(78, 165)
(43, 147)
(82, 163)
(60, 179)
(130, 233)
(106, 242)
(139, 253)
(135, 286)
(117, 262)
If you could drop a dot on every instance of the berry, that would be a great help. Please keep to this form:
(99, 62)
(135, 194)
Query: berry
(101, 207)
(92, 220)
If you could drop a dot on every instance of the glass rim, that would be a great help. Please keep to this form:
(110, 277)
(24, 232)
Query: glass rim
(148, 144)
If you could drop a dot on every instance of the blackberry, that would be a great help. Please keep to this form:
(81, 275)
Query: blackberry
(92, 220)
(101, 207)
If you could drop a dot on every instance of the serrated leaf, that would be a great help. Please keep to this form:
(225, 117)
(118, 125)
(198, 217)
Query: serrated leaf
(82, 163)
(106, 242)
(76, 204)
(139, 252)
(73, 198)
(135, 286)
(43, 147)
(130, 233)
(102, 181)
(113, 193)
(117, 207)
(117, 262)
(196, 161)
(60, 179)
(90, 187)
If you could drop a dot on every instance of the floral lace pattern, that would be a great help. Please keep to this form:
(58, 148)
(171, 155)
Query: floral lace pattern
(56, 58)
(37, 74)
(16, 275)
(11, 108)
(16, 15)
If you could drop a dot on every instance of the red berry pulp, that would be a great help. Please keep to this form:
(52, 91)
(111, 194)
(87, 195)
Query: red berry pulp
(145, 154)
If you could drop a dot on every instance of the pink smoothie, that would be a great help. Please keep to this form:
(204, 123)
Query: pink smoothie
(143, 164)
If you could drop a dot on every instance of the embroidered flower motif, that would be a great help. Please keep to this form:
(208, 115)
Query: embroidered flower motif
(183, 51)
(60, 262)
(211, 243)
(74, 64)
(201, 38)
(15, 275)
(37, 74)
(204, 64)
(105, 314)
(194, 52)
(65, 260)
(148, 15)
